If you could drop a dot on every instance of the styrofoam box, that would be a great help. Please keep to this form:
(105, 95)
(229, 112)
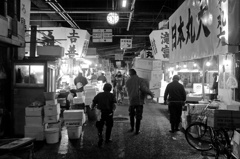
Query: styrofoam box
(74, 132)
(50, 51)
(34, 120)
(150, 75)
(73, 114)
(153, 84)
(51, 119)
(38, 136)
(77, 100)
(51, 102)
(79, 122)
(233, 107)
(90, 94)
(50, 110)
(33, 111)
(88, 101)
(33, 129)
(148, 64)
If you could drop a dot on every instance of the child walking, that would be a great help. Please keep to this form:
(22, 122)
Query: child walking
(106, 104)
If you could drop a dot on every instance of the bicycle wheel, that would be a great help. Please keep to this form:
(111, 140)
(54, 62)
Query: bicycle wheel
(198, 136)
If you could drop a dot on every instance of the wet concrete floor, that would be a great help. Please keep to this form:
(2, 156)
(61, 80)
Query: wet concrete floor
(154, 141)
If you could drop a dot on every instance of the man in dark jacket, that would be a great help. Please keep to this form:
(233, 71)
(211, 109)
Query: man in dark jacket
(137, 89)
(102, 78)
(106, 103)
(176, 96)
(80, 82)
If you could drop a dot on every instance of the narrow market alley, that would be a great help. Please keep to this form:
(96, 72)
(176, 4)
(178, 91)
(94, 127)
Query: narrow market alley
(154, 141)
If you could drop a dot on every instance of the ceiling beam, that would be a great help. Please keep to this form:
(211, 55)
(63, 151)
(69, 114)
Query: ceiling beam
(77, 12)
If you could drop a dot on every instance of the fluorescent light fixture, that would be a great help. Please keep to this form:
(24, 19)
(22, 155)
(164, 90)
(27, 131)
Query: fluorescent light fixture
(124, 3)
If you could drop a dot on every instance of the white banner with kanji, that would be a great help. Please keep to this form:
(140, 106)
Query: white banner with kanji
(74, 41)
(160, 44)
(197, 29)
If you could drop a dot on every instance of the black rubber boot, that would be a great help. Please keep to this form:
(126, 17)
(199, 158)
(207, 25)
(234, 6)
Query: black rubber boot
(138, 123)
(172, 128)
(108, 135)
(132, 123)
(100, 139)
(176, 127)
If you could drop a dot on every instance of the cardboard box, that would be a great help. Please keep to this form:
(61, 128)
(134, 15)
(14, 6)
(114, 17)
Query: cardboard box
(73, 114)
(33, 111)
(78, 100)
(51, 119)
(33, 121)
(51, 102)
(50, 110)
(148, 64)
(150, 75)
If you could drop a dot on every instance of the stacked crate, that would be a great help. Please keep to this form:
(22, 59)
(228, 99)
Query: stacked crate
(78, 102)
(74, 120)
(151, 71)
(89, 95)
(34, 126)
(52, 114)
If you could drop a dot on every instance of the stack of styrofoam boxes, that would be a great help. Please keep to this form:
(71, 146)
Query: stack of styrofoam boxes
(74, 120)
(151, 70)
(52, 114)
(78, 102)
(89, 95)
(34, 126)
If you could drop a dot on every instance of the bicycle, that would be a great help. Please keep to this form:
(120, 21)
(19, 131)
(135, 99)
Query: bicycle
(204, 138)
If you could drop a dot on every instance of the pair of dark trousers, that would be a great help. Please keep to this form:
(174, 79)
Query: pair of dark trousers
(135, 111)
(175, 111)
(106, 118)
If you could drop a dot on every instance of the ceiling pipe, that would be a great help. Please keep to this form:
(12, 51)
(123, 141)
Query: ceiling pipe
(70, 21)
(62, 13)
(78, 12)
(67, 14)
(131, 14)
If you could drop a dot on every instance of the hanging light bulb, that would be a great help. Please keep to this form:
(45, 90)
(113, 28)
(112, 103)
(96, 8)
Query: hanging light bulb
(208, 63)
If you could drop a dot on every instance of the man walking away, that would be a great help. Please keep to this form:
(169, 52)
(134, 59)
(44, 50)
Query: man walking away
(137, 90)
(106, 103)
(176, 96)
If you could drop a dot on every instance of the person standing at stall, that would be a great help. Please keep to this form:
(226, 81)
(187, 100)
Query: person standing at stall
(137, 89)
(80, 81)
(176, 96)
(102, 78)
(106, 103)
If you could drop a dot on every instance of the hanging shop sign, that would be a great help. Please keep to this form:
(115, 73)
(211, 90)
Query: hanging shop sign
(198, 28)
(74, 41)
(118, 56)
(125, 43)
(102, 35)
(160, 44)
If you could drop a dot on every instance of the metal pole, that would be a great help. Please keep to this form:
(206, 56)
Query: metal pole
(33, 41)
